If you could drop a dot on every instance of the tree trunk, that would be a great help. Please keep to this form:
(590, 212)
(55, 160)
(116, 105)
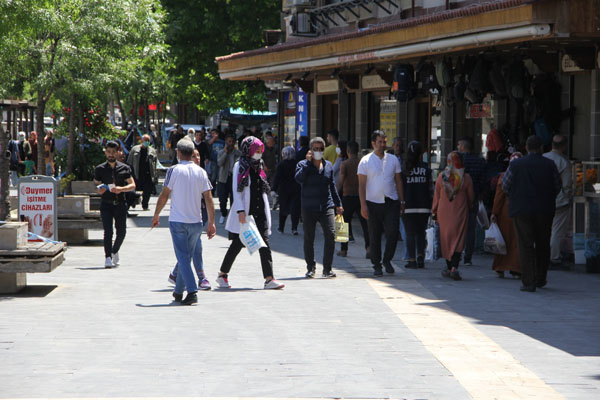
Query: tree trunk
(4, 177)
(39, 127)
(72, 136)
(82, 132)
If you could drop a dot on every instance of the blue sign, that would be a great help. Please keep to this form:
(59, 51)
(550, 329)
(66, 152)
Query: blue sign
(302, 113)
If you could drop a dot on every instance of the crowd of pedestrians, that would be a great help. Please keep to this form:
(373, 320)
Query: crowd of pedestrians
(389, 193)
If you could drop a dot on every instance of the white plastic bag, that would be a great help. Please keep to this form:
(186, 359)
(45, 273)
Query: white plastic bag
(250, 237)
(482, 217)
(430, 238)
(494, 242)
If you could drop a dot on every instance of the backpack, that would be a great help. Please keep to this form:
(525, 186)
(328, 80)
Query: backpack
(443, 72)
(427, 78)
(404, 82)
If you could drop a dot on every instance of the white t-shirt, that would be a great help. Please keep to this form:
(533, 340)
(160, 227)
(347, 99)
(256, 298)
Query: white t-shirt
(187, 182)
(380, 173)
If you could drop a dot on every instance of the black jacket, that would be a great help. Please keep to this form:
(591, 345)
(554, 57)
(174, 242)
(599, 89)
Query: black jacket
(318, 187)
(418, 189)
(285, 178)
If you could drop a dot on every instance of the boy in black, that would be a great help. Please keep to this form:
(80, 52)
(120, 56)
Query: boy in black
(113, 179)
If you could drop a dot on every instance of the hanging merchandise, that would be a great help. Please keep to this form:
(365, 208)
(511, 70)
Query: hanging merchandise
(478, 82)
(497, 80)
(427, 78)
(404, 82)
(517, 80)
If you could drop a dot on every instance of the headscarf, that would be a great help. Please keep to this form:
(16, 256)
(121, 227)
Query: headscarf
(516, 155)
(248, 147)
(453, 175)
(288, 153)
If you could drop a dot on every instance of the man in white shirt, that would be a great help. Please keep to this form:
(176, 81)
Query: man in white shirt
(381, 200)
(560, 223)
(186, 183)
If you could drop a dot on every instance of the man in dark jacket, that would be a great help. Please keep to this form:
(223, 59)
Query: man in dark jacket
(319, 199)
(532, 184)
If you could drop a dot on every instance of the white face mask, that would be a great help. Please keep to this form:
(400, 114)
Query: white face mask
(318, 155)
(338, 151)
(257, 156)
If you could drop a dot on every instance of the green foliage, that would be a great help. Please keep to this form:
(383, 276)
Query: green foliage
(86, 158)
(198, 31)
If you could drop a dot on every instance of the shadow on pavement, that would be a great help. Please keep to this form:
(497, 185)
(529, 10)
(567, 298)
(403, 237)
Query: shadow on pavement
(32, 291)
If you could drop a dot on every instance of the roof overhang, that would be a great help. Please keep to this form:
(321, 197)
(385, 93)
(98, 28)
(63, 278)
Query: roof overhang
(505, 26)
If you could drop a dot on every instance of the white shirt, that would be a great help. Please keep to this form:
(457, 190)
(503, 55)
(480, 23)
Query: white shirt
(187, 183)
(380, 173)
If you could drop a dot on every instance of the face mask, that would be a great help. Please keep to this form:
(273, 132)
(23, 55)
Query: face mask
(257, 156)
(146, 144)
(338, 150)
(318, 155)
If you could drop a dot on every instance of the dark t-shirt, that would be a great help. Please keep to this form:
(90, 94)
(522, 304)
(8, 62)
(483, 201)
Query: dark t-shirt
(175, 138)
(117, 176)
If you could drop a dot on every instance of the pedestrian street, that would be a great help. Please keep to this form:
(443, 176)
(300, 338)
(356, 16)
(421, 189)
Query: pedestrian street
(84, 331)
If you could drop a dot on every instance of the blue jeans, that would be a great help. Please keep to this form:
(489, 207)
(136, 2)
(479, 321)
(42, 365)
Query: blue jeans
(197, 258)
(185, 240)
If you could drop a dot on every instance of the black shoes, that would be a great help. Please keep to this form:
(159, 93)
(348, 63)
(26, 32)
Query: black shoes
(411, 265)
(190, 299)
(528, 289)
(420, 262)
(310, 273)
(378, 272)
(178, 297)
(451, 274)
(388, 267)
(329, 274)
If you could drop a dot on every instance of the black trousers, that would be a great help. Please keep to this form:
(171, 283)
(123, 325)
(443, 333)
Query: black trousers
(117, 214)
(415, 226)
(309, 222)
(533, 233)
(146, 185)
(266, 260)
(383, 218)
(289, 203)
(351, 206)
(225, 191)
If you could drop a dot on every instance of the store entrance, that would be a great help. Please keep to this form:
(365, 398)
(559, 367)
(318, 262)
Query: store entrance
(330, 113)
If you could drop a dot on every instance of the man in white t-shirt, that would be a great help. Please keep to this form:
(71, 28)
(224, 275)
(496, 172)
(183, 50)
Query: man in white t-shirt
(186, 183)
(381, 200)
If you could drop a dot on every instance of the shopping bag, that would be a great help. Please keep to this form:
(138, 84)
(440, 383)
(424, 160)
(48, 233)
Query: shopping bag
(433, 250)
(342, 233)
(482, 217)
(250, 237)
(494, 242)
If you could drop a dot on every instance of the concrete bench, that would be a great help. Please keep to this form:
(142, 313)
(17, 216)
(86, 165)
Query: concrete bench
(19, 257)
(75, 218)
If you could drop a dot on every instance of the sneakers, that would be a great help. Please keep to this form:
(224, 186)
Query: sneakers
(273, 284)
(468, 263)
(178, 297)
(295, 232)
(115, 259)
(388, 267)
(172, 279)
(222, 282)
(310, 273)
(204, 284)
(191, 298)
(221, 220)
(329, 274)
(411, 265)
(108, 263)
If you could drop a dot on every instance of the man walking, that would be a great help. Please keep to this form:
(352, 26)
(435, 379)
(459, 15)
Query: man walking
(114, 180)
(319, 199)
(186, 183)
(560, 224)
(142, 158)
(381, 200)
(226, 160)
(475, 167)
(532, 184)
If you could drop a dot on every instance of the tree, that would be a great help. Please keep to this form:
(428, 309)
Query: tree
(200, 30)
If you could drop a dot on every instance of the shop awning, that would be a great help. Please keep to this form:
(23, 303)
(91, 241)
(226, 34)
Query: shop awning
(459, 30)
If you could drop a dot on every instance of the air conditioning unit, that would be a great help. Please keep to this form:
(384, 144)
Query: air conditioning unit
(301, 25)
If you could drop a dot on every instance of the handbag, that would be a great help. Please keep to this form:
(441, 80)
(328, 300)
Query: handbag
(342, 230)
(250, 237)
(494, 242)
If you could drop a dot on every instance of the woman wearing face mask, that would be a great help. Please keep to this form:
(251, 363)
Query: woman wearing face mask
(319, 199)
(250, 190)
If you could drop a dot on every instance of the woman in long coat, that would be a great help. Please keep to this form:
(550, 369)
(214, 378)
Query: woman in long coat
(452, 200)
(509, 262)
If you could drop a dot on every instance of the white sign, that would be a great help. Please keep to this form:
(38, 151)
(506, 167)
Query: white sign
(37, 205)
(568, 65)
(373, 82)
(328, 86)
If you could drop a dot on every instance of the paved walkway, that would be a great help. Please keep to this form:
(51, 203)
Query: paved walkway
(83, 331)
